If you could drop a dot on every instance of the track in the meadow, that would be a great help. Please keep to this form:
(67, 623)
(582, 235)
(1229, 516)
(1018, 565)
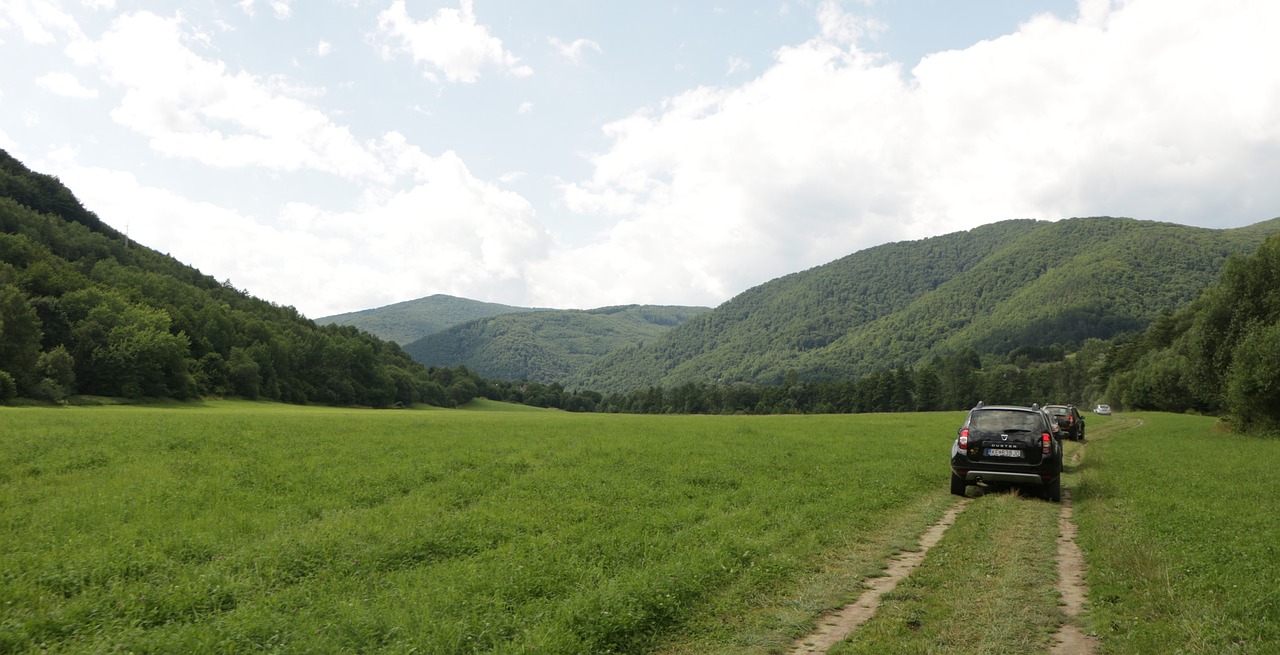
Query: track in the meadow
(839, 624)
(1069, 640)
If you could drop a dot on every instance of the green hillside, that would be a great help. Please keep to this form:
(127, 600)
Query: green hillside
(548, 345)
(85, 311)
(994, 288)
(408, 321)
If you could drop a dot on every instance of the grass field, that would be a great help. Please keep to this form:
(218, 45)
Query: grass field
(1180, 523)
(248, 527)
(237, 527)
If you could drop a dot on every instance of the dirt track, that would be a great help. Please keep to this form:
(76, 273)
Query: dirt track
(839, 624)
(1070, 639)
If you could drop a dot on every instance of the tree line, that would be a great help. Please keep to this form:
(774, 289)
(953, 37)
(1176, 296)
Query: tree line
(1041, 374)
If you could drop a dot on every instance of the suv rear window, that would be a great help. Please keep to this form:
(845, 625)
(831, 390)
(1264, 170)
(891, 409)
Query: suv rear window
(998, 420)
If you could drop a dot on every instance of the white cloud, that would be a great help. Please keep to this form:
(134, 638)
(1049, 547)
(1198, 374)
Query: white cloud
(323, 48)
(451, 42)
(1154, 109)
(194, 108)
(573, 51)
(1149, 109)
(65, 85)
(842, 28)
(281, 8)
(446, 230)
(38, 21)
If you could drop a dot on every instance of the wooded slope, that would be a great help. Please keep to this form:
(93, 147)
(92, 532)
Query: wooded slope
(546, 346)
(85, 311)
(994, 288)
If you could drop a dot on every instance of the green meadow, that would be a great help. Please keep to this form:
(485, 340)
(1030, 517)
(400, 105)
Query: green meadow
(1180, 523)
(246, 527)
(254, 527)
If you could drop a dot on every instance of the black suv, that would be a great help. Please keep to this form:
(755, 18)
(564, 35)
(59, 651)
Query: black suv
(1006, 445)
(1070, 422)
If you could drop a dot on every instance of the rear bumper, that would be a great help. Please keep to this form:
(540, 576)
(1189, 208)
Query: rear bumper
(977, 475)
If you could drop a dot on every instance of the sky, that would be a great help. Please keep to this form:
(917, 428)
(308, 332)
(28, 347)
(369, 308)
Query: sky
(337, 155)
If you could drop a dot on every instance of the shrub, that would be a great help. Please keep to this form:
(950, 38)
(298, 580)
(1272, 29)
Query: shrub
(8, 388)
(1253, 384)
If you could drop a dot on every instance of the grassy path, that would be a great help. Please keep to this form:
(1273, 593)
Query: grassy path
(838, 625)
(1071, 638)
(930, 616)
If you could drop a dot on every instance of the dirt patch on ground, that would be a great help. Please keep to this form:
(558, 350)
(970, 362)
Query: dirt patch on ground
(1071, 639)
(839, 624)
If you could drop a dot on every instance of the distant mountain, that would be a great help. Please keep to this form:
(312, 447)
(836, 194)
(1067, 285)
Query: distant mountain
(408, 321)
(546, 346)
(994, 288)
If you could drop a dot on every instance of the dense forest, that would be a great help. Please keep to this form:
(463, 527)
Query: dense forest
(1219, 355)
(1030, 374)
(84, 311)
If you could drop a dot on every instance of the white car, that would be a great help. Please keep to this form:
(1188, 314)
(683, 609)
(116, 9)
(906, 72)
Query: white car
(1102, 409)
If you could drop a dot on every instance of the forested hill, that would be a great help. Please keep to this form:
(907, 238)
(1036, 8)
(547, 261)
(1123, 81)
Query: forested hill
(546, 346)
(994, 288)
(408, 321)
(85, 311)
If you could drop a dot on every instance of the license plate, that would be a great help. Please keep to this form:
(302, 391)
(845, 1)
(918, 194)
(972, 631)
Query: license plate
(1004, 452)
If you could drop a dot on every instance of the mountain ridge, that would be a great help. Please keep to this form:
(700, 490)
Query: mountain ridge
(545, 346)
(407, 321)
(898, 304)
(893, 305)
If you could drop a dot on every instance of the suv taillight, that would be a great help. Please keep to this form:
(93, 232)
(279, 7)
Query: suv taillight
(1045, 446)
(964, 439)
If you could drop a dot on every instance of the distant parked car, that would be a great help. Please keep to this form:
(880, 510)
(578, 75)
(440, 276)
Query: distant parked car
(1007, 445)
(1069, 420)
(1102, 409)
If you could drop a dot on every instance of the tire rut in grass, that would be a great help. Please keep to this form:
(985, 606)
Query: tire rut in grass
(1071, 638)
(839, 624)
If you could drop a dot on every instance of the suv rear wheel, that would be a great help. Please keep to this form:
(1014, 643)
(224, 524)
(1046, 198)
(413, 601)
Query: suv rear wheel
(1052, 491)
(958, 485)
